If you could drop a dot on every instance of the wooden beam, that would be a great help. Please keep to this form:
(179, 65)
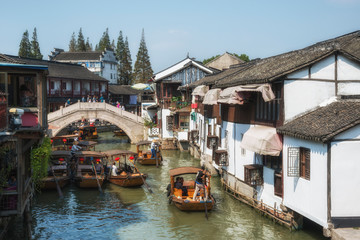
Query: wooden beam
(28, 145)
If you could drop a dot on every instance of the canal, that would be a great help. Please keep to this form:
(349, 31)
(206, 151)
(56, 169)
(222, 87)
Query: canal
(122, 213)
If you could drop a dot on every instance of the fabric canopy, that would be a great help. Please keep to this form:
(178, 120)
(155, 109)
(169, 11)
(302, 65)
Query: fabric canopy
(236, 95)
(262, 140)
(200, 90)
(212, 96)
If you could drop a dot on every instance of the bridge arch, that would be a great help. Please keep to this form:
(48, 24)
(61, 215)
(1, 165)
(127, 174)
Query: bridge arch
(131, 124)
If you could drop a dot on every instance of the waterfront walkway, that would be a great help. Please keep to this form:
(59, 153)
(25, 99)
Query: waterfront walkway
(345, 234)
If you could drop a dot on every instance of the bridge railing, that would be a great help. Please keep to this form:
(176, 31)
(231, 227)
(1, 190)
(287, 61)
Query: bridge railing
(94, 106)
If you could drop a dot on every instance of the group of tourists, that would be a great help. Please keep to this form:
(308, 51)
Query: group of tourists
(93, 98)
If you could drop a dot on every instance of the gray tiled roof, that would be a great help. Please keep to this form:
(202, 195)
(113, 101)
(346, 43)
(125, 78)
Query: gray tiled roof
(325, 122)
(273, 68)
(61, 70)
(78, 56)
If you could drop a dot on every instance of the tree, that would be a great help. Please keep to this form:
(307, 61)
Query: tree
(127, 68)
(243, 57)
(80, 43)
(24, 47)
(35, 48)
(205, 61)
(104, 41)
(72, 44)
(142, 68)
(123, 55)
(88, 45)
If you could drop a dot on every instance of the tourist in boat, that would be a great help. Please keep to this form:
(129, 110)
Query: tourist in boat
(114, 170)
(179, 185)
(200, 183)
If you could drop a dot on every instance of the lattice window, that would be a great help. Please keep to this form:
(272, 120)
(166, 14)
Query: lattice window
(293, 162)
(298, 162)
(169, 123)
(212, 142)
(221, 158)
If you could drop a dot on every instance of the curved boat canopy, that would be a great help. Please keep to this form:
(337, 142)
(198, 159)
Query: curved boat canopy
(183, 170)
(116, 152)
(60, 153)
(89, 154)
(143, 143)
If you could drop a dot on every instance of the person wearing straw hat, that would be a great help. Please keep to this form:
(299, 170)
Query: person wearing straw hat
(75, 147)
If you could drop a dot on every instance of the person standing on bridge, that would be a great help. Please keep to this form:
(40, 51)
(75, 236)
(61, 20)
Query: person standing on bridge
(101, 98)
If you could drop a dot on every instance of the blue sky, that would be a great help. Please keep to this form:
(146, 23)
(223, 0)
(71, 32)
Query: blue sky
(258, 28)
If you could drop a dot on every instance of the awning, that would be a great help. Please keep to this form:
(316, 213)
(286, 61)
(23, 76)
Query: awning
(200, 90)
(262, 140)
(152, 107)
(236, 95)
(212, 96)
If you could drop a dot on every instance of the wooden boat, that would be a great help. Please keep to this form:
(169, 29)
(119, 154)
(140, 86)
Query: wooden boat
(119, 132)
(128, 174)
(59, 167)
(87, 132)
(63, 142)
(186, 203)
(144, 155)
(87, 145)
(87, 163)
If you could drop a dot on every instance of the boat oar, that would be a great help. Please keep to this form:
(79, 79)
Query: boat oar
(97, 180)
(206, 214)
(57, 184)
(147, 186)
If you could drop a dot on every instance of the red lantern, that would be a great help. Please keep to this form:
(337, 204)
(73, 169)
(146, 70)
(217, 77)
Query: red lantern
(61, 159)
(51, 141)
(81, 159)
(64, 140)
(131, 157)
(70, 147)
(98, 160)
(117, 159)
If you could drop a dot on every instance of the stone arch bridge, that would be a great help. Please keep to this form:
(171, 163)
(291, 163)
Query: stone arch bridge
(130, 123)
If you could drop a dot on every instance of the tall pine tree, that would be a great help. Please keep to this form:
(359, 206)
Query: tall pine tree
(142, 68)
(80, 43)
(127, 64)
(104, 41)
(72, 44)
(88, 45)
(119, 52)
(35, 48)
(25, 47)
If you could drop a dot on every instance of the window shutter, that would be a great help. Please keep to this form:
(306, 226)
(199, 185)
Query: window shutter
(169, 123)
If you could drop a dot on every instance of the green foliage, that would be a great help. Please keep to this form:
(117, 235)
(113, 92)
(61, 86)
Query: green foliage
(148, 123)
(243, 57)
(80, 43)
(40, 157)
(104, 41)
(176, 99)
(72, 44)
(25, 47)
(142, 68)
(205, 61)
(125, 63)
(35, 48)
(88, 45)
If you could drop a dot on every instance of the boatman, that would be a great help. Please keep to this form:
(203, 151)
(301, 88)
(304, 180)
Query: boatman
(153, 148)
(200, 183)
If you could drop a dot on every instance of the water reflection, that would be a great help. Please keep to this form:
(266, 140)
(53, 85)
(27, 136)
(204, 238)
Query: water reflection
(122, 213)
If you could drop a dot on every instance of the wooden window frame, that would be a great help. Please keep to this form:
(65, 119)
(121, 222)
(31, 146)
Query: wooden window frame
(305, 163)
(298, 162)
(253, 175)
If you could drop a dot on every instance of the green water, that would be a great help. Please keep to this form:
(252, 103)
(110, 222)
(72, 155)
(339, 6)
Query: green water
(122, 213)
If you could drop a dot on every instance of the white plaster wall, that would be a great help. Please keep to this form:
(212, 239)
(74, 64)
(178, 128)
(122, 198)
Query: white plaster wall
(182, 136)
(325, 69)
(347, 69)
(307, 197)
(266, 192)
(302, 95)
(345, 177)
(165, 133)
(301, 74)
(351, 88)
